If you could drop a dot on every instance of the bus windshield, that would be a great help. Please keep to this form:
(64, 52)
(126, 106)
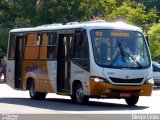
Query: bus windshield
(120, 49)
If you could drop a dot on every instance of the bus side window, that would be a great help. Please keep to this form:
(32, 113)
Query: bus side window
(31, 48)
(77, 45)
(48, 46)
(45, 39)
(81, 50)
(43, 46)
(51, 52)
(52, 39)
(51, 48)
(12, 47)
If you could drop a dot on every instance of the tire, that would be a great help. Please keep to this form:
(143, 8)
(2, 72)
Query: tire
(132, 100)
(78, 96)
(35, 95)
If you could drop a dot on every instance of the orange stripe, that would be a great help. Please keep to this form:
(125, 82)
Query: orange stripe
(100, 88)
(43, 84)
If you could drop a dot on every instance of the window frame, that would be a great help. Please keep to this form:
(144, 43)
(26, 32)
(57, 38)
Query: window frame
(119, 67)
(11, 48)
(48, 45)
(25, 46)
(76, 60)
(40, 33)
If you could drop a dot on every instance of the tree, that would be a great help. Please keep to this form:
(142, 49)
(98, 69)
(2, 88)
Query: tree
(154, 37)
(150, 4)
(3, 42)
(98, 8)
(135, 13)
(120, 13)
(23, 12)
(73, 10)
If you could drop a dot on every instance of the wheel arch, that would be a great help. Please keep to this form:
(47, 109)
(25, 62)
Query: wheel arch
(29, 80)
(75, 82)
(78, 94)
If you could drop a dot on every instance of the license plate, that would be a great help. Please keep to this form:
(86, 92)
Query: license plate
(125, 94)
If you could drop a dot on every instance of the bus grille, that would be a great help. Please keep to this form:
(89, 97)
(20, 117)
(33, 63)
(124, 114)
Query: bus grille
(119, 80)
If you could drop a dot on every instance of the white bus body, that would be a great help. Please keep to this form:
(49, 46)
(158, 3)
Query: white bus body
(84, 65)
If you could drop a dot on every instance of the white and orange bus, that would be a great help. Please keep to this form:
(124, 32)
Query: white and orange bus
(79, 60)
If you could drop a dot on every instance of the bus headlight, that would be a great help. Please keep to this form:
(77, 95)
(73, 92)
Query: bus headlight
(99, 79)
(150, 81)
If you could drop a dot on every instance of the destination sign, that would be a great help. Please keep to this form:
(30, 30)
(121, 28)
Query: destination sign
(99, 34)
(119, 34)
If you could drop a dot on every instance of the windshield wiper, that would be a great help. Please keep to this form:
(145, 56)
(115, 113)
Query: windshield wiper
(121, 52)
(124, 54)
(134, 59)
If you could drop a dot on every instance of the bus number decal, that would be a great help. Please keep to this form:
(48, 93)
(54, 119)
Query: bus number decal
(110, 73)
(79, 72)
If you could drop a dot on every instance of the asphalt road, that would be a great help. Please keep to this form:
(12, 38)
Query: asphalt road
(13, 102)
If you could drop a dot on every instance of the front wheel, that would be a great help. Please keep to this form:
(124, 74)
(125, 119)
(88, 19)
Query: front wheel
(78, 96)
(35, 95)
(132, 100)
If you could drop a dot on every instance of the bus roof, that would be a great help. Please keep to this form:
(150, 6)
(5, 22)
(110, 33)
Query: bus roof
(86, 25)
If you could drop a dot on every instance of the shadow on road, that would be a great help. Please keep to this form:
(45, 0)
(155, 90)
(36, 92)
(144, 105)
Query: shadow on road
(67, 105)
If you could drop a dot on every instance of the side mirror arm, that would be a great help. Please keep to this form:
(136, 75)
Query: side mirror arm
(147, 40)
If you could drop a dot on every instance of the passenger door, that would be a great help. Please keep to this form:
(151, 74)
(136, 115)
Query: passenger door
(18, 60)
(64, 61)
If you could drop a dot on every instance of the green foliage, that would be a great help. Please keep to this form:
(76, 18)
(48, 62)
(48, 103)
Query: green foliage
(150, 4)
(154, 37)
(3, 42)
(72, 10)
(135, 14)
(120, 13)
(22, 22)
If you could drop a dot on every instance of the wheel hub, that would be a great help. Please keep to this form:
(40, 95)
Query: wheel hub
(79, 94)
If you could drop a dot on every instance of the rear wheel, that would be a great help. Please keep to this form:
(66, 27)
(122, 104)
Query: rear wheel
(78, 96)
(132, 100)
(35, 95)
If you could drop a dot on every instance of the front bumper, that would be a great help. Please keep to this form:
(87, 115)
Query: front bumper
(101, 89)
